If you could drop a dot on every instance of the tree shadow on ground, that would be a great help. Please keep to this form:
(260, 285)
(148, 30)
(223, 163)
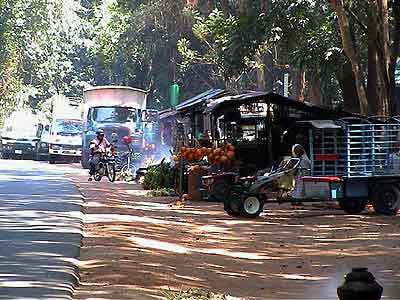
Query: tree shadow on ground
(137, 245)
(40, 235)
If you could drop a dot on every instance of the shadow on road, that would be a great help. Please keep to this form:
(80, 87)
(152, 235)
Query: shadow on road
(40, 233)
(136, 246)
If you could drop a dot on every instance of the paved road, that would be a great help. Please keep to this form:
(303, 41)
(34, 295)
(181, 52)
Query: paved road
(40, 231)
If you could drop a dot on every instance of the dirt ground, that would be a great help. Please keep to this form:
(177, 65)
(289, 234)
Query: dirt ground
(135, 246)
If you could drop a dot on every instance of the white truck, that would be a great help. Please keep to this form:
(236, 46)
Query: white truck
(62, 140)
(20, 135)
(116, 110)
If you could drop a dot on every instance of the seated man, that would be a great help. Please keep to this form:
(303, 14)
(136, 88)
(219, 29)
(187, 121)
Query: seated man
(97, 147)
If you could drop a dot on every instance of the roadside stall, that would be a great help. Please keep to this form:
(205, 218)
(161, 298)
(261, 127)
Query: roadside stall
(255, 122)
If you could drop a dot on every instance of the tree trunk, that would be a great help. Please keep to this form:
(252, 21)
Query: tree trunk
(383, 54)
(372, 82)
(242, 7)
(210, 6)
(349, 49)
(347, 84)
(225, 7)
(264, 6)
(394, 105)
(315, 91)
(269, 70)
(261, 83)
(302, 86)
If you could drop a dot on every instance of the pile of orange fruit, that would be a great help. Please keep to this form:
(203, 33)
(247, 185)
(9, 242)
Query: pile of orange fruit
(215, 156)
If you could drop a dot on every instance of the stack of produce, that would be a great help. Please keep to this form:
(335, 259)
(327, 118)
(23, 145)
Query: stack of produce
(222, 156)
(215, 156)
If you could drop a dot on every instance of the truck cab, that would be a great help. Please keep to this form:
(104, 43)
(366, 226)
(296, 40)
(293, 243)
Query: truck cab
(116, 110)
(65, 140)
(19, 139)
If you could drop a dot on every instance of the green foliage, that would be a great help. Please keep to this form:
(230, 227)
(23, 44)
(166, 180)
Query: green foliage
(41, 47)
(193, 294)
(164, 192)
(213, 31)
(60, 46)
(301, 34)
(159, 177)
(135, 43)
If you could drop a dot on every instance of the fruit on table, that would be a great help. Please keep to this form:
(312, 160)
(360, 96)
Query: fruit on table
(215, 156)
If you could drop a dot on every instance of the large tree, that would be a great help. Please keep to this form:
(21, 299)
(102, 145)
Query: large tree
(373, 18)
(342, 46)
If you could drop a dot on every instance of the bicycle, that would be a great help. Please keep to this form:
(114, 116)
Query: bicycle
(126, 161)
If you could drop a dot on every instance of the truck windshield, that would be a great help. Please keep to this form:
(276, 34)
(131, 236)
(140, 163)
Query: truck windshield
(114, 114)
(70, 127)
(20, 131)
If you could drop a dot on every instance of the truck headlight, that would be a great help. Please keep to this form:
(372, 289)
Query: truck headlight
(55, 147)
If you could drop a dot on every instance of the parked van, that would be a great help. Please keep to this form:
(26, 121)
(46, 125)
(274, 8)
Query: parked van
(20, 135)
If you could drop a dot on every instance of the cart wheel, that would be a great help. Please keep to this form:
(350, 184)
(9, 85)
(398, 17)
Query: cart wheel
(251, 206)
(220, 190)
(353, 206)
(386, 200)
(232, 207)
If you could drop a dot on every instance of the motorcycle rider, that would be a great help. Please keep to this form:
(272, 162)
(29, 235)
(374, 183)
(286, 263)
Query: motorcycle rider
(98, 147)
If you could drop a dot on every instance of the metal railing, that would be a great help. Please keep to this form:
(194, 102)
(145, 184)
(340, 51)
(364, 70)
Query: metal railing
(356, 150)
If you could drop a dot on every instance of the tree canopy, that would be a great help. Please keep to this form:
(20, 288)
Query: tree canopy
(338, 52)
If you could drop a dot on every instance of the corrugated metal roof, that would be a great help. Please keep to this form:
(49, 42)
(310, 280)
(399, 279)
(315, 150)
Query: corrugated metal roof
(273, 99)
(168, 113)
(321, 124)
(200, 98)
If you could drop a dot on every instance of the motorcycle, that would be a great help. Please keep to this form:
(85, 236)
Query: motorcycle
(106, 166)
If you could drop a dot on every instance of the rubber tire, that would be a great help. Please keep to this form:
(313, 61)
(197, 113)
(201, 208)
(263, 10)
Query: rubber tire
(231, 210)
(379, 203)
(36, 155)
(85, 160)
(125, 168)
(250, 215)
(52, 159)
(353, 206)
(219, 197)
(112, 177)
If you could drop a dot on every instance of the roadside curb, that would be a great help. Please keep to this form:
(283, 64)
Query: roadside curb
(76, 278)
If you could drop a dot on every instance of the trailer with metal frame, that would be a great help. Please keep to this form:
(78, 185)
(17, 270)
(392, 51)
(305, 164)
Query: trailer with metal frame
(353, 161)
(362, 157)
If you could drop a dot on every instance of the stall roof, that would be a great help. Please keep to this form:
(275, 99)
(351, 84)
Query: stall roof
(167, 113)
(320, 124)
(272, 98)
(200, 98)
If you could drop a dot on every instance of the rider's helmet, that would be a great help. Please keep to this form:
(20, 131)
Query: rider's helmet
(100, 133)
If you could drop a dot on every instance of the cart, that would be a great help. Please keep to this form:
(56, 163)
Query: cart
(353, 161)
